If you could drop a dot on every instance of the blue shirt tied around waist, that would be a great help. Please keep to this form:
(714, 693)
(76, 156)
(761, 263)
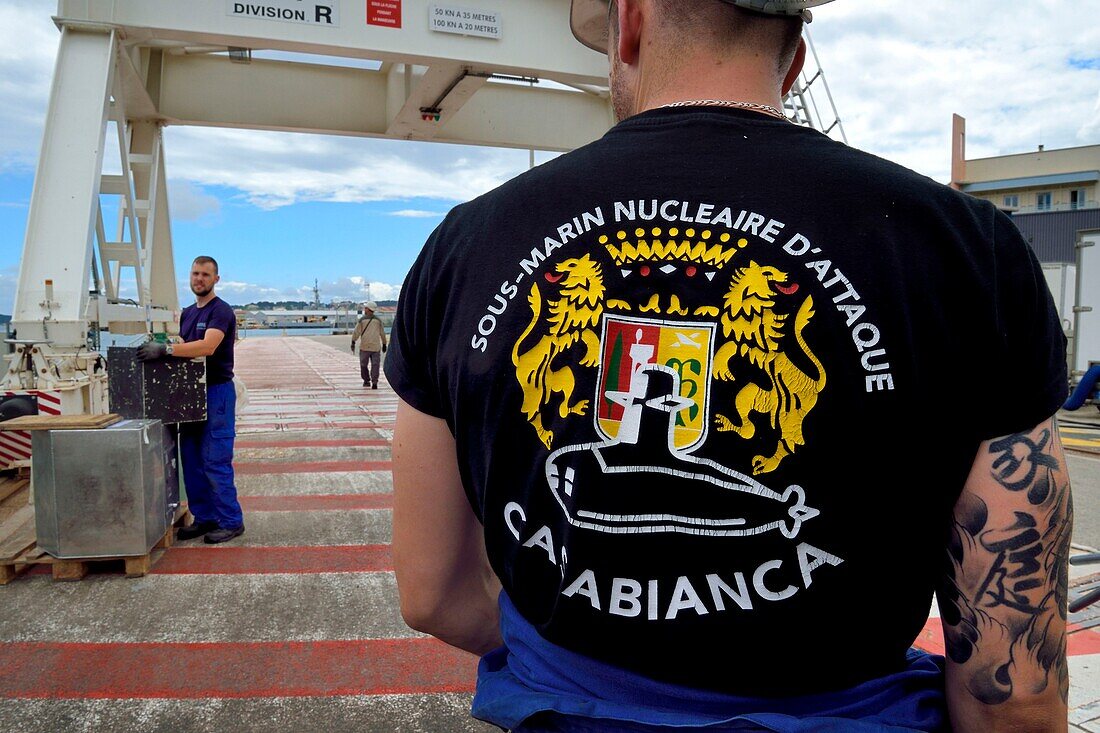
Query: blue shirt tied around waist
(529, 676)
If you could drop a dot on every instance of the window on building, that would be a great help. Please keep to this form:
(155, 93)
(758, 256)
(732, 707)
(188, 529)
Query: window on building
(1012, 201)
(1042, 201)
(1077, 198)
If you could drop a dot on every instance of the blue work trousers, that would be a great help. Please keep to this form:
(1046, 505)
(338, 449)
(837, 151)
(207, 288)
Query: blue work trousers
(206, 452)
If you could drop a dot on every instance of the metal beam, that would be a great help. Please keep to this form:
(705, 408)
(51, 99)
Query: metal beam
(280, 95)
(64, 204)
(160, 263)
(515, 116)
(535, 40)
(139, 105)
(443, 87)
(210, 90)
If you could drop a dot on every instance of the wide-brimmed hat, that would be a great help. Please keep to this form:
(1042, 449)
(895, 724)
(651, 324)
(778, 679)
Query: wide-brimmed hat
(370, 305)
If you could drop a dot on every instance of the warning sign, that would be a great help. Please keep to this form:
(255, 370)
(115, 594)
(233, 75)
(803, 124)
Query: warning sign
(384, 12)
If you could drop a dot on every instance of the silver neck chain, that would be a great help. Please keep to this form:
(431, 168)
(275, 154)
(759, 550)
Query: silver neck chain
(751, 106)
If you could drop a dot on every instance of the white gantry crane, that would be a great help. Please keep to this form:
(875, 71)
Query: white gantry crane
(468, 73)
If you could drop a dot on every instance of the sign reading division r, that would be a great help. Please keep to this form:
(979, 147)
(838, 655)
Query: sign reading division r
(309, 12)
(384, 12)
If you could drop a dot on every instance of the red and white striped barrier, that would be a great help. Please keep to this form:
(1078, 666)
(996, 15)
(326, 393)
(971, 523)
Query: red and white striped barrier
(15, 445)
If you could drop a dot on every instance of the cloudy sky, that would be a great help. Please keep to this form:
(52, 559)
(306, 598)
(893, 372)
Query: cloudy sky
(279, 210)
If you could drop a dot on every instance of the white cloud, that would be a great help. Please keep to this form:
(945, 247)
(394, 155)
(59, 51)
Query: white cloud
(355, 288)
(189, 202)
(418, 214)
(274, 169)
(28, 43)
(898, 70)
(1090, 130)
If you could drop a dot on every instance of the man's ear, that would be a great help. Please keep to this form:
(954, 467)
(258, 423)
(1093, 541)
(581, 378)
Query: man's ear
(628, 36)
(796, 66)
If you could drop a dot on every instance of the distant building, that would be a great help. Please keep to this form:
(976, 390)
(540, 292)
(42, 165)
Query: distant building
(247, 318)
(1028, 183)
(1054, 199)
(340, 319)
(1053, 195)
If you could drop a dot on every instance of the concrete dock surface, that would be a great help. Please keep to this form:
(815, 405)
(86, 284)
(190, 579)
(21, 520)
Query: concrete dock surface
(295, 625)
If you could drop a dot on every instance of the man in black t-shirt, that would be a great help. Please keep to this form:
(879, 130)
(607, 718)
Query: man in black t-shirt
(694, 420)
(209, 329)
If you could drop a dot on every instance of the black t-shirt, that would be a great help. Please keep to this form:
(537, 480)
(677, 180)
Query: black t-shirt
(216, 314)
(716, 382)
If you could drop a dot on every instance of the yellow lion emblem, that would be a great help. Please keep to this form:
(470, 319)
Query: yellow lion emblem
(754, 331)
(571, 319)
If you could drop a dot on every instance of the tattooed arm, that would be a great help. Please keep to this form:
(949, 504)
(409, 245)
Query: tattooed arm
(1003, 592)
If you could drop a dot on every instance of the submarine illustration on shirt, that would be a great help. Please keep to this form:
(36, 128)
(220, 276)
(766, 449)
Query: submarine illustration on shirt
(640, 482)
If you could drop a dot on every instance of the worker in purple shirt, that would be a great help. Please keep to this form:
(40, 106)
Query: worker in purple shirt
(208, 328)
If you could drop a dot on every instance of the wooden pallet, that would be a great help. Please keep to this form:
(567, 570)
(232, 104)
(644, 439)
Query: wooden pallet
(60, 422)
(12, 484)
(16, 539)
(76, 569)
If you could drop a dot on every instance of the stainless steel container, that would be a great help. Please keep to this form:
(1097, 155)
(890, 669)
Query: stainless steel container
(100, 493)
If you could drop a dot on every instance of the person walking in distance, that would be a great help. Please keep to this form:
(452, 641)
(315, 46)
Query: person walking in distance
(371, 335)
(694, 420)
(209, 329)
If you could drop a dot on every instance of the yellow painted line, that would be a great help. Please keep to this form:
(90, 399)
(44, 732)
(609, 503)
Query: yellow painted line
(1083, 443)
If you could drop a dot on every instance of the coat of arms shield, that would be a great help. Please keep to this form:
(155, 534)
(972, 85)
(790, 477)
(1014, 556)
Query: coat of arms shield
(628, 345)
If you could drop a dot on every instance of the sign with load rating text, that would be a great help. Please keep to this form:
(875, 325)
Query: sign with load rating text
(464, 21)
(386, 13)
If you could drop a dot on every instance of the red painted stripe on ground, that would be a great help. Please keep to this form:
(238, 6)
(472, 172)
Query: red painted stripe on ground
(317, 502)
(275, 560)
(233, 670)
(248, 468)
(930, 639)
(1080, 642)
(346, 443)
(270, 425)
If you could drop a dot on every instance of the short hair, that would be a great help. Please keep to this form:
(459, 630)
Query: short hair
(726, 26)
(203, 260)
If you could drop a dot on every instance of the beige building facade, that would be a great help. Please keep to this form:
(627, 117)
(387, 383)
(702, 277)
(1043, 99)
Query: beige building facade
(1044, 180)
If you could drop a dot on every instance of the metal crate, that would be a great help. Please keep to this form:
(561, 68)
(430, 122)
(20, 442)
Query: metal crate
(102, 492)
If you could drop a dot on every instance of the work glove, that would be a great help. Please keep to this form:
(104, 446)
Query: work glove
(152, 351)
(383, 348)
(353, 347)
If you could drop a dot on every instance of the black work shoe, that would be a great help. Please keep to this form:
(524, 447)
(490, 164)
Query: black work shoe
(366, 384)
(222, 535)
(196, 529)
(374, 386)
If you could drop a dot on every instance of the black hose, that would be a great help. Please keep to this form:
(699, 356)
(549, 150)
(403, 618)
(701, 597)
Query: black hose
(1084, 601)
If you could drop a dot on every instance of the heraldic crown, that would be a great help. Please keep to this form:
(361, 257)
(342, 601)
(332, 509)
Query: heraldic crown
(689, 246)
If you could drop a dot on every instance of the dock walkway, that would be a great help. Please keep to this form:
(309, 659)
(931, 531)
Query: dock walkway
(295, 625)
